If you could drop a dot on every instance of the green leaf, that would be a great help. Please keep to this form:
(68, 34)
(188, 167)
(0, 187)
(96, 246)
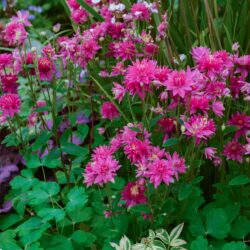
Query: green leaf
(241, 227)
(239, 180)
(52, 159)
(197, 227)
(171, 142)
(199, 243)
(83, 130)
(234, 246)
(75, 150)
(90, 10)
(60, 242)
(42, 192)
(158, 245)
(83, 237)
(42, 140)
(7, 241)
(78, 215)
(9, 220)
(77, 198)
(140, 208)
(32, 230)
(217, 223)
(184, 191)
(52, 213)
(32, 161)
(25, 181)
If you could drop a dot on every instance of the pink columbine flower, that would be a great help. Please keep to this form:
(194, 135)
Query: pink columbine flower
(160, 171)
(210, 152)
(218, 108)
(199, 103)
(79, 16)
(200, 127)
(178, 164)
(180, 83)
(22, 17)
(109, 111)
(134, 194)
(125, 50)
(241, 121)
(140, 76)
(15, 33)
(73, 4)
(136, 150)
(140, 12)
(167, 124)
(9, 83)
(119, 91)
(101, 171)
(162, 28)
(46, 69)
(5, 60)
(217, 161)
(101, 152)
(10, 104)
(116, 142)
(233, 150)
(101, 131)
(32, 119)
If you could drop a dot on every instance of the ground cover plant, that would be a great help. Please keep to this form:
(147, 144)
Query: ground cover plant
(130, 129)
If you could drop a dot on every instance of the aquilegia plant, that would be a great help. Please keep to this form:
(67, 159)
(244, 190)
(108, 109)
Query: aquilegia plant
(120, 135)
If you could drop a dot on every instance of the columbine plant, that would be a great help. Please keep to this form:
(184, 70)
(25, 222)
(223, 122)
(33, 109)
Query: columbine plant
(117, 131)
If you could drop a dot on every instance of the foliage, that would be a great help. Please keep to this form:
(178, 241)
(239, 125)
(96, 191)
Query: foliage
(129, 124)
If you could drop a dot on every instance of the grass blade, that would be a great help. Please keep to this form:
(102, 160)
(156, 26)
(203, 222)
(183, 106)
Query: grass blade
(90, 10)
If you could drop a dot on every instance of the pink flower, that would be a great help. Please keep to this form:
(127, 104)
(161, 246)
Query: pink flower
(109, 111)
(46, 69)
(233, 150)
(9, 83)
(73, 4)
(217, 161)
(101, 131)
(200, 127)
(179, 82)
(116, 143)
(107, 214)
(118, 69)
(139, 77)
(140, 12)
(218, 108)
(241, 121)
(32, 119)
(22, 17)
(118, 91)
(15, 33)
(126, 50)
(134, 194)
(199, 103)
(79, 16)
(178, 164)
(10, 104)
(167, 124)
(5, 60)
(160, 171)
(136, 150)
(210, 152)
(101, 152)
(217, 89)
(101, 171)
(162, 28)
